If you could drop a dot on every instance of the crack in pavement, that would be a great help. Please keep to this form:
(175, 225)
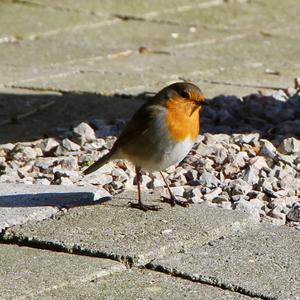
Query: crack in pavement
(129, 261)
(46, 89)
(7, 238)
(211, 281)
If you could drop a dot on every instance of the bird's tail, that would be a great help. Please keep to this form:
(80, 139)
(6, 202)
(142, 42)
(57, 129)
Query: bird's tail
(98, 164)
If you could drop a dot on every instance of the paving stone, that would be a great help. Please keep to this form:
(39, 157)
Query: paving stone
(42, 20)
(138, 236)
(212, 50)
(28, 273)
(239, 14)
(262, 262)
(20, 203)
(141, 284)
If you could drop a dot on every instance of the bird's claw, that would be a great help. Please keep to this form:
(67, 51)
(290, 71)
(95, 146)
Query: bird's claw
(144, 207)
(174, 201)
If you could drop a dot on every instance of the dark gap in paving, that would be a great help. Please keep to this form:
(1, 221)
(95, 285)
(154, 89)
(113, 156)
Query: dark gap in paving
(6, 238)
(156, 21)
(207, 280)
(27, 3)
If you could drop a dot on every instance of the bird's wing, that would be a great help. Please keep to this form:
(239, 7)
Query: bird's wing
(140, 123)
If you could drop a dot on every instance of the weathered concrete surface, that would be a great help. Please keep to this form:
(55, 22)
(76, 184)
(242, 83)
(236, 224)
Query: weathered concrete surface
(118, 231)
(20, 203)
(204, 244)
(264, 262)
(141, 284)
(233, 42)
(28, 273)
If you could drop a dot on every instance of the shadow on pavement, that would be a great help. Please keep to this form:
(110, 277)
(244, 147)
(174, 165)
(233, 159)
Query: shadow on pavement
(25, 117)
(67, 200)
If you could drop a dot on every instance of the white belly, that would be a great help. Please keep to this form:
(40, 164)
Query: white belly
(169, 156)
(177, 153)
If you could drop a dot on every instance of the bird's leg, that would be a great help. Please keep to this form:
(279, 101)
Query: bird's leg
(173, 200)
(140, 204)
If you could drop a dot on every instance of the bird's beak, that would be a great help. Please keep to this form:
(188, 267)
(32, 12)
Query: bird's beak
(200, 103)
(204, 103)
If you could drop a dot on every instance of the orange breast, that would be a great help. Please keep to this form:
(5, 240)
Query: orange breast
(182, 119)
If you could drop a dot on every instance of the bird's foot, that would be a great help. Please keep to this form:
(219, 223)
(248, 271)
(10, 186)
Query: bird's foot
(143, 207)
(174, 201)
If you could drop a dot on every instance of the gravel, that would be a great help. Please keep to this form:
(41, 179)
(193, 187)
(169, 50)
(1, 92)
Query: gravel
(247, 158)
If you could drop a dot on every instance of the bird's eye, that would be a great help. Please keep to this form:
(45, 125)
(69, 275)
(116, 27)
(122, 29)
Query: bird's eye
(184, 94)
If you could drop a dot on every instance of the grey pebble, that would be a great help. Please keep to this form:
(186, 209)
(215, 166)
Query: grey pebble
(289, 146)
(84, 133)
(213, 194)
(246, 206)
(294, 213)
(69, 145)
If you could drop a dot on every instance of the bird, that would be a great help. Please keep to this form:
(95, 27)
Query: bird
(160, 134)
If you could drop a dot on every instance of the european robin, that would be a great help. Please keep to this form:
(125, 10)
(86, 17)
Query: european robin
(160, 134)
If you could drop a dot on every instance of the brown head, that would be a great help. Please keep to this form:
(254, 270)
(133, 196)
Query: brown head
(187, 92)
(183, 101)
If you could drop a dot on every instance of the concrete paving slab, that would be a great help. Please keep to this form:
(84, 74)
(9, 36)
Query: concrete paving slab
(27, 273)
(133, 34)
(48, 55)
(29, 21)
(20, 203)
(232, 42)
(83, 48)
(141, 284)
(237, 15)
(263, 262)
(216, 59)
(138, 73)
(120, 232)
